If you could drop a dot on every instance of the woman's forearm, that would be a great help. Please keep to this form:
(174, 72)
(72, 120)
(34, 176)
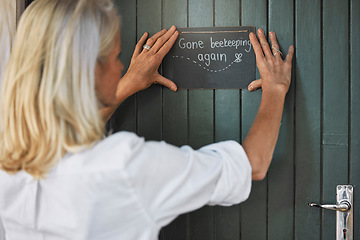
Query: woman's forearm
(260, 142)
(275, 81)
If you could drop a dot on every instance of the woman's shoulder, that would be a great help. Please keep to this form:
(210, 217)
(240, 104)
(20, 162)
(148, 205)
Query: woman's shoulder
(120, 139)
(111, 153)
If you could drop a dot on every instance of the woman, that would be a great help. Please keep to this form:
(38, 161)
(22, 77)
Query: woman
(62, 179)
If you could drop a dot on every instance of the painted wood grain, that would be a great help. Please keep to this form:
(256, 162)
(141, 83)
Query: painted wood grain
(124, 118)
(254, 210)
(227, 123)
(335, 106)
(308, 118)
(201, 122)
(319, 137)
(201, 133)
(175, 119)
(281, 171)
(355, 110)
(149, 101)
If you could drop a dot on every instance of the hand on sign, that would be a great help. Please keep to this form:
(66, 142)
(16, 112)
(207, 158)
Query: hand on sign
(275, 72)
(145, 62)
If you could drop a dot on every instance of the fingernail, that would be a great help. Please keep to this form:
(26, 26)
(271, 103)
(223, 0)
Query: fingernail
(261, 31)
(172, 27)
(251, 87)
(272, 34)
(173, 88)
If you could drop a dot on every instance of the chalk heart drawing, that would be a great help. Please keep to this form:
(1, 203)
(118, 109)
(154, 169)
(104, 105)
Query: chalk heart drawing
(238, 59)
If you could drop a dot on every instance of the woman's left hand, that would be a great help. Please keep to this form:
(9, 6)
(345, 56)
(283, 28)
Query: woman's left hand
(143, 69)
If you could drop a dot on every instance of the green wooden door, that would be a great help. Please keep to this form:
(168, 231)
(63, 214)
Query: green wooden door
(319, 142)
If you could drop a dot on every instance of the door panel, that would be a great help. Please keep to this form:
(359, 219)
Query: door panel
(125, 117)
(335, 105)
(307, 118)
(175, 111)
(281, 173)
(149, 101)
(354, 148)
(201, 122)
(227, 111)
(254, 210)
(319, 144)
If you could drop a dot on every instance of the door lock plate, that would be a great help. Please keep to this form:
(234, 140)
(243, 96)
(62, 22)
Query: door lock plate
(344, 220)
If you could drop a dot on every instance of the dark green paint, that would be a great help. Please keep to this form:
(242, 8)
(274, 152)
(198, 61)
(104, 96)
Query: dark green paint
(319, 142)
(335, 106)
(254, 210)
(124, 118)
(201, 122)
(281, 172)
(355, 110)
(308, 118)
(149, 101)
(175, 119)
(227, 123)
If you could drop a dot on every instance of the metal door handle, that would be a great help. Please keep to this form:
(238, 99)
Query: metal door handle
(343, 206)
(344, 212)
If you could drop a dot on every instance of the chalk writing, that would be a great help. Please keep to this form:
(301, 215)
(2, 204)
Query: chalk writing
(237, 60)
(214, 57)
(208, 58)
(230, 43)
(190, 45)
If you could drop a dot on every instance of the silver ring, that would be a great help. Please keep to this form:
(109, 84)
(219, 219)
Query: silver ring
(278, 51)
(147, 47)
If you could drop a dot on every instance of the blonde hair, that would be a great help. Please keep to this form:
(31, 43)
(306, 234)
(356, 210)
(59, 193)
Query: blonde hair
(48, 99)
(7, 31)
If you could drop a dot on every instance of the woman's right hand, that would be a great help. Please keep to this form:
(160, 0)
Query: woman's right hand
(275, 72)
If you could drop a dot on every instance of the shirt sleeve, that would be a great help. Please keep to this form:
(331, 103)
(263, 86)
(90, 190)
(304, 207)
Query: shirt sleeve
(170, 181)
(2, 231)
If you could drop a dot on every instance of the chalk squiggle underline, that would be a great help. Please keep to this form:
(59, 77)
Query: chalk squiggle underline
(209, 70)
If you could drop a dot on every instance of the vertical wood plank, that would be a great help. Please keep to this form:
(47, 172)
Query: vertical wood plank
(149, 101)
(355, 110)
(254, 210)
(227, 102)
(335, 106)
(201, 121)
(200, 134)
(308, 118)
(227, 123)
(124, 118)
(175, 121)
(281, 172)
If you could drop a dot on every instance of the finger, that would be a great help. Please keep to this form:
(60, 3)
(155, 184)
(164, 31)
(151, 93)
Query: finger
(264, 44)
(163, 39)
(257, 47)
(153, 39)
(274, 44)
(140, 44)
(255, 85)
(166, 82)
(168, 45)
(290, 54)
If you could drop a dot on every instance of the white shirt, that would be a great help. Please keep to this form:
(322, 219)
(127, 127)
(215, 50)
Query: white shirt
(122, 188)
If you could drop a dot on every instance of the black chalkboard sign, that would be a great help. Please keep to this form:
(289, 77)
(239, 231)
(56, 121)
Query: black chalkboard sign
(211, 58)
